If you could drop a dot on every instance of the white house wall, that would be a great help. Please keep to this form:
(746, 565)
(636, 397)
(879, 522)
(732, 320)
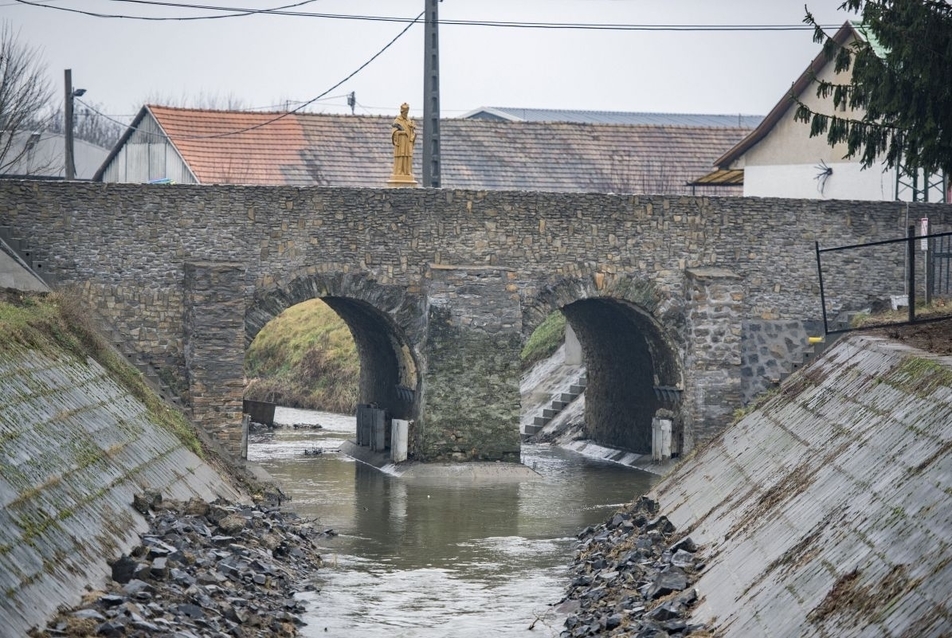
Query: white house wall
(787, 162)
(800, 181)
(147, 156)
(789, 142)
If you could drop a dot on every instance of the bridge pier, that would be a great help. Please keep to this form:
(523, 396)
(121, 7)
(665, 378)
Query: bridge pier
(470, 396)
(215, 349)
(715, 310)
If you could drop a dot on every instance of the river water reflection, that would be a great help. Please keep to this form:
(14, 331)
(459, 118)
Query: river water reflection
(437, 558)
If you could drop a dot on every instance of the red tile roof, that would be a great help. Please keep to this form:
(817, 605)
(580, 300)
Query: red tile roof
(267, 151)
(345, 150)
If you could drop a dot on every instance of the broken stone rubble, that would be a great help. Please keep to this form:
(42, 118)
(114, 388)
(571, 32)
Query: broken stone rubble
(633, 578)
(203, 570)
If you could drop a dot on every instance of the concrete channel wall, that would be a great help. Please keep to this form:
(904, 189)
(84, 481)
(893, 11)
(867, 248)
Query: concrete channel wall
(74, 449)
(826, 512)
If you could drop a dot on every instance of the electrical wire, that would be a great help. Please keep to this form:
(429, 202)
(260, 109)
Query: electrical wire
(292, 111)
(283, 11)
(238, 13)
(270, 107)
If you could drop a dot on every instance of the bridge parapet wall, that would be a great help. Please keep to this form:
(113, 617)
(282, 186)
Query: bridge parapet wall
(136, 238)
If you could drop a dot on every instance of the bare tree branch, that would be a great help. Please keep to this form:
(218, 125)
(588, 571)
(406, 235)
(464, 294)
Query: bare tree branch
(25, 96)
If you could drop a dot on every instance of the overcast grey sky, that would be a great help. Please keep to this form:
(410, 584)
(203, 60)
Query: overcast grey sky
(267, 60)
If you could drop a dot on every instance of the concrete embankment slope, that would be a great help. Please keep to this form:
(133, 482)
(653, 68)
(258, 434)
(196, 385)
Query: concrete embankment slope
(75, 447)
(828, 511)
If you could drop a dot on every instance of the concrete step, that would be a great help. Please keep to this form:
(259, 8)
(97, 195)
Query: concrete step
(532, 429)
(540, 421)
(576, 389)
(548, 413)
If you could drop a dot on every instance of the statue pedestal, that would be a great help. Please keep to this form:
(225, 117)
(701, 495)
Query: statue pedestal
(402, 181)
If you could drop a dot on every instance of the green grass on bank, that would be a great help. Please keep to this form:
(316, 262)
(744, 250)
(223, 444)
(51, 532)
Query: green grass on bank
(55, 322)
(305, 358)
(938, 308)
(545, 340)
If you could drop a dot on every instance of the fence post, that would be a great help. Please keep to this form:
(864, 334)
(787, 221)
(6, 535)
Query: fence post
(930, 275)
(911, 257)
(819, 272)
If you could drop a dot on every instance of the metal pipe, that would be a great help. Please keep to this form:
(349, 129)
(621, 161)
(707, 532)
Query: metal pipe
(819, 271)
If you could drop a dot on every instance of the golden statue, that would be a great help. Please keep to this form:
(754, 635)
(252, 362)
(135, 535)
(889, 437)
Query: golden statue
(403, 135)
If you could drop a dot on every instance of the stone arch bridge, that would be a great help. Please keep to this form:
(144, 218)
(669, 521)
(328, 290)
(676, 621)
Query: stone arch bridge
(688, 304)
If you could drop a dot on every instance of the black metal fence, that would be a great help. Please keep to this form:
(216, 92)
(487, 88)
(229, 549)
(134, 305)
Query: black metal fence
(913, 273)
(940, 268)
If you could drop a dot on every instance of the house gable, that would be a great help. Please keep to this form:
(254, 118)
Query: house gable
(780, 158)
(781, 115)
(145, 154)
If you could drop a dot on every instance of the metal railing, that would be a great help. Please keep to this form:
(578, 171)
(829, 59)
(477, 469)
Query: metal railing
(936, 276)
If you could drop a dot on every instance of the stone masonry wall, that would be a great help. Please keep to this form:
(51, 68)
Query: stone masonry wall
(215, 349)
(125, 246)
(771, 350)
(715, 300)
(472, 371)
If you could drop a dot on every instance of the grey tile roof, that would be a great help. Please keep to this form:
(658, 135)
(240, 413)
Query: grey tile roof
(498, 155)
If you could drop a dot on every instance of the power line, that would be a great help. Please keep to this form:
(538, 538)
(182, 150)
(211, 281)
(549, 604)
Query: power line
(284, 11)
(237, 13)
(294, 110)
(286, 102)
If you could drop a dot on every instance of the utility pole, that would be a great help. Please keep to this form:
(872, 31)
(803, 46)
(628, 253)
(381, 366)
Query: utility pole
(70, 168)
(68, 108)
(431, 98)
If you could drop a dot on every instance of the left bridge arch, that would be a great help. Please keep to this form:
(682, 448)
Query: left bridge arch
(386, 322)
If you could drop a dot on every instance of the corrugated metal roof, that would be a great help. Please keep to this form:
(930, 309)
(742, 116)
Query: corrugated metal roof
(515, 114)
(355, 151)
(43, 154)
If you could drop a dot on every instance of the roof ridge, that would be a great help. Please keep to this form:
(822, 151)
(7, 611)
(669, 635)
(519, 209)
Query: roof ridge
(615, 112)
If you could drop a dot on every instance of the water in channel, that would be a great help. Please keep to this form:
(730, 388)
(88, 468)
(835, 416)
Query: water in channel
(437, 558)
